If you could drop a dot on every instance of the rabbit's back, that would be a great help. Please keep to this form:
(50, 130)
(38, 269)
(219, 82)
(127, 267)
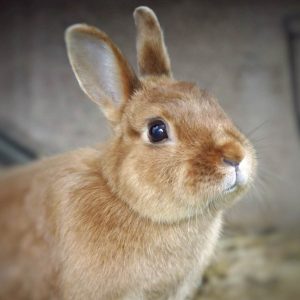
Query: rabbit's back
(29, 227)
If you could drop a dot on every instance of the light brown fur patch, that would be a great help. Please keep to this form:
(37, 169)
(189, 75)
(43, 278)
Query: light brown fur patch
(153, 58)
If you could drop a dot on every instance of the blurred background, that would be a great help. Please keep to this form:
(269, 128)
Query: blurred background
(247, 53)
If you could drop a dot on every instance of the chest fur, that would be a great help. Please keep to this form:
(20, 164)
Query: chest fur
(150, 256)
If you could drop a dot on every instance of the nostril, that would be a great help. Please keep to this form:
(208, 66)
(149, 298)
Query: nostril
(232, 153)
(231, 162)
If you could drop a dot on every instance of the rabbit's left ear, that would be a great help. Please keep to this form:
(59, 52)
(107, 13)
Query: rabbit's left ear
(100, 68)
(152, 54)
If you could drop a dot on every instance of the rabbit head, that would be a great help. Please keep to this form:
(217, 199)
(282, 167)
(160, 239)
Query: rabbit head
(174, 152)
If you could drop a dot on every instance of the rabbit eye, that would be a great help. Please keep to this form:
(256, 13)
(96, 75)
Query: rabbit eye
(157, 131)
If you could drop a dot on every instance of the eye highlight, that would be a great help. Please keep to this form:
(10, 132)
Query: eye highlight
(157, 131)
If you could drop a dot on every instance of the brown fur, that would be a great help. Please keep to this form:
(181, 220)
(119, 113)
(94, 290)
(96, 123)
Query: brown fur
(128, 219)
(153, 57)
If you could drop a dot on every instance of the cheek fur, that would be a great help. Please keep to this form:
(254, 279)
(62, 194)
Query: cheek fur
(202, 179)
(203, 168)
(156, 167)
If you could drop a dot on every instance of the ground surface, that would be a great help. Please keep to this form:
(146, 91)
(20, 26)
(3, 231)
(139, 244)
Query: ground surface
(236, 49)
(256, 266)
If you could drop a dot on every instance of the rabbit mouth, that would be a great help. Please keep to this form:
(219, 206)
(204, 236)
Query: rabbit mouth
(231, 188)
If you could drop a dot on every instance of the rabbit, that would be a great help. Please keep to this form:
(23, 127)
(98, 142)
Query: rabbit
(137, 217)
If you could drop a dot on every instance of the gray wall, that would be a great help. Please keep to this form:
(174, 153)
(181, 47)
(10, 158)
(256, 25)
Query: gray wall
(236, 49)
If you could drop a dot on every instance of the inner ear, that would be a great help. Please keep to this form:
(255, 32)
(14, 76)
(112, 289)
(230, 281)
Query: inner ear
(152, 54)
(100, 68)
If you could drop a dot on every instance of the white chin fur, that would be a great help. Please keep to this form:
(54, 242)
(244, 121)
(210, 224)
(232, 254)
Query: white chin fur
(244, 171)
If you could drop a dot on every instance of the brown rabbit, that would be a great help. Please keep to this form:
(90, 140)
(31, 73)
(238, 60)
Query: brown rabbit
(135, 218)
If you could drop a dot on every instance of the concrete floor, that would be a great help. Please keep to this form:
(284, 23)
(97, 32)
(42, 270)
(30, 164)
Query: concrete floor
(236, 49)
(258, 266)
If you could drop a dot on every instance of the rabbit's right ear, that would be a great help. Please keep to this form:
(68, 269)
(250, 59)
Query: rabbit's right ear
(152, 54)
(100, 68)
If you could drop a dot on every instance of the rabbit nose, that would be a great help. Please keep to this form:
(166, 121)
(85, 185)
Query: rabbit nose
(231, 162)
(232, 154)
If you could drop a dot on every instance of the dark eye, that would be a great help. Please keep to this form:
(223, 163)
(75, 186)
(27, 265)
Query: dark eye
(157, 131)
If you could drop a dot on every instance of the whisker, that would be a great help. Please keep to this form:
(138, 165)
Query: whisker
(260, 139)
(268, 176)
(255, 129)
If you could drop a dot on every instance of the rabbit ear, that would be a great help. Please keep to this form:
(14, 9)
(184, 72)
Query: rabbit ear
(153, 58)
(100, 68)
